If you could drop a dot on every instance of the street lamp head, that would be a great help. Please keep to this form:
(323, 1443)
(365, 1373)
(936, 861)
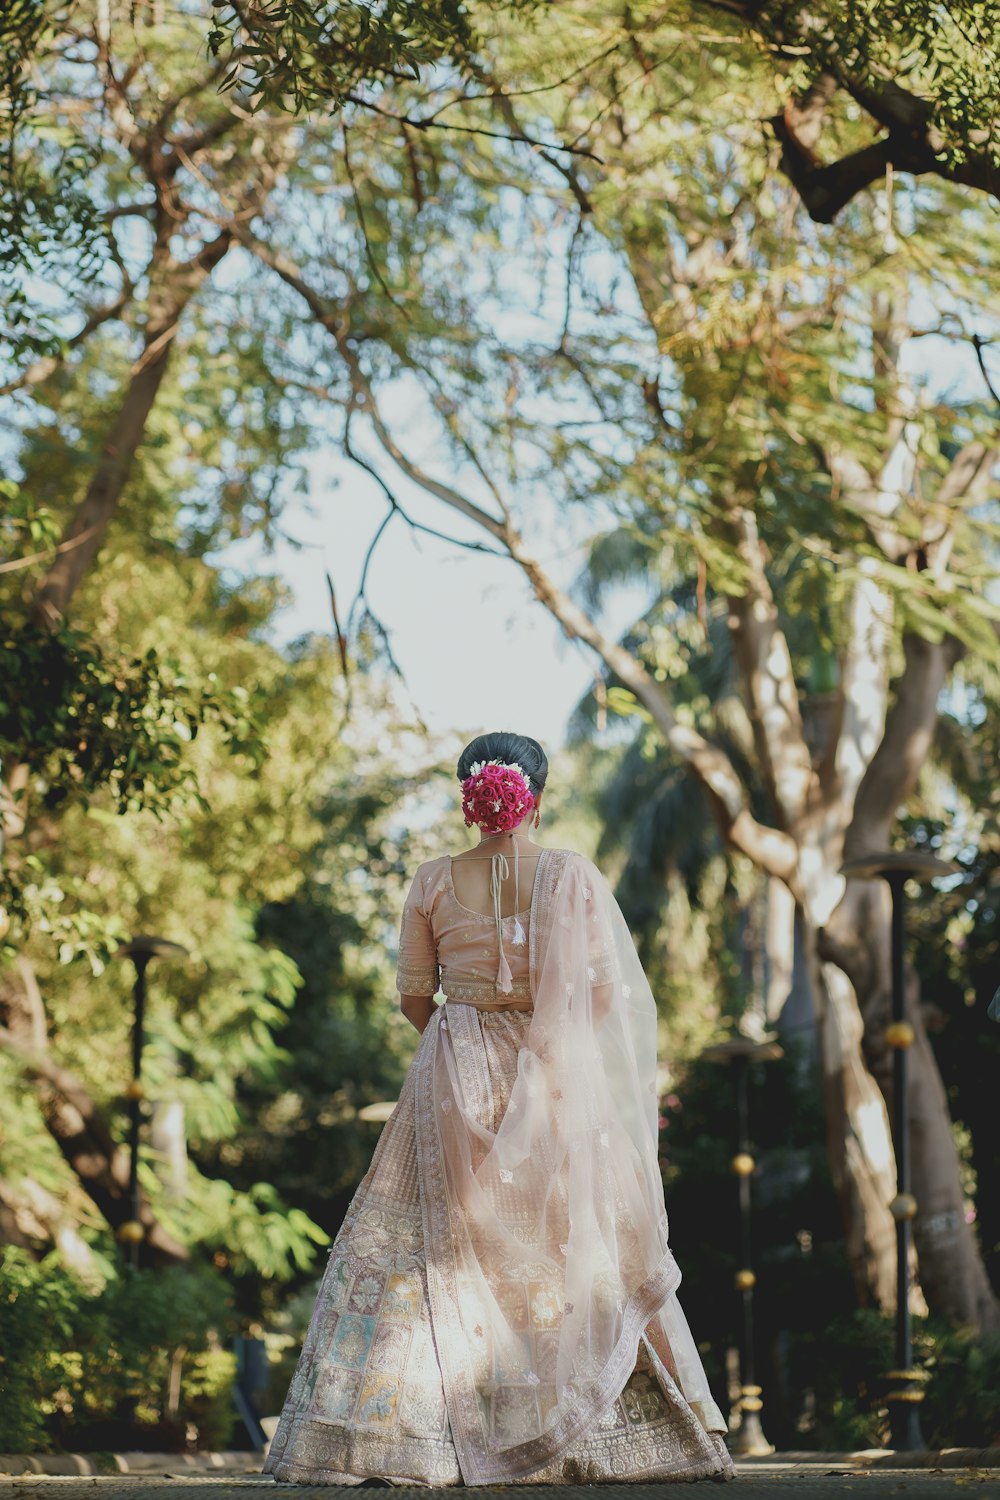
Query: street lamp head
(886, 864)
(378, 1112)
(736, 1047)
(146, 946)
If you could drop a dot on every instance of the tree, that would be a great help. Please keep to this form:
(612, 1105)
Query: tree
(902, 88)
(255, 811)
(307, 56)
(48, 217)
(956, 952)
(897, 90)
(156, 281)
(52, 216)
(920, 83)
(773, 406)
(722, 385)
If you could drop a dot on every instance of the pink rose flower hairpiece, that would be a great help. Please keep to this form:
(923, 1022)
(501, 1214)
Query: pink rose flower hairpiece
(496, 797)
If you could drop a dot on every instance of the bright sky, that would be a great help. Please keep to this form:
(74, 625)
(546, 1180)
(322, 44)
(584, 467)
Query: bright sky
(476, 650)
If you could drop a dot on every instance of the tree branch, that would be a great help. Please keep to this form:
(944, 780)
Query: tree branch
(195, 141)
(322, 393)
(88, 1147)
(359, 209)
(200, 140)
(36, 373)
(878, 499)
(826, 189)
(771, 849)
(912, 144)
(333, 319)
(969, 475)
(172, 285)
(862, 693)
(516, 138)
(768, 679)
(895, 767)
(979, 345)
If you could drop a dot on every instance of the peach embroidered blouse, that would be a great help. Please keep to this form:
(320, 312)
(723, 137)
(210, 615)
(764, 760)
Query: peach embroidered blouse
(445, 945)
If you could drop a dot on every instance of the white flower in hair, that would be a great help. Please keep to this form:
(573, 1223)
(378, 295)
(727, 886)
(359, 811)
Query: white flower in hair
(501, 765)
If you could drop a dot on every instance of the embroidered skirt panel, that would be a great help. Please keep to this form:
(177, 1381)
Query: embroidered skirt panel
(368, 1397)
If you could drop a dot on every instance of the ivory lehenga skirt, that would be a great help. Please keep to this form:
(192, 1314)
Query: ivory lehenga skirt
(367, 1398)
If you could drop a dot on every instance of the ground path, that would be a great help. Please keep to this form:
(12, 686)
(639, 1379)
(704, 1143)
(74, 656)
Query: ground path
(844, 1481)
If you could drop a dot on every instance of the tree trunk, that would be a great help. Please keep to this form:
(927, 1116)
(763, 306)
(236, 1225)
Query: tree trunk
(73, 1119)
(172, 286)
(67, 1108)
(779, 949)
(32, 1217)
(858, 1137)
(952, 1272)
(811, 1005)
(168, 1138)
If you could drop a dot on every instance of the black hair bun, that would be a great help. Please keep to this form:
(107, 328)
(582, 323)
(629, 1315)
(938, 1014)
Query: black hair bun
(507, 749)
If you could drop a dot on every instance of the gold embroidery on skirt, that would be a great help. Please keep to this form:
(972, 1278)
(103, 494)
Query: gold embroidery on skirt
(367, 1395)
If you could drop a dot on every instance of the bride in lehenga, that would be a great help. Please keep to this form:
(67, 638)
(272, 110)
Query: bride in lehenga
(500, 1304)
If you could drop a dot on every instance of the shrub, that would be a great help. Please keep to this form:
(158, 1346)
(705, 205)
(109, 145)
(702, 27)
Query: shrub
(846, 1367)
(139, 1363)
(962, 1401)
(39, 1310)
(207, 1396)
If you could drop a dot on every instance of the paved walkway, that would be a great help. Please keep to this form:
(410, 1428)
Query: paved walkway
(782, 1481)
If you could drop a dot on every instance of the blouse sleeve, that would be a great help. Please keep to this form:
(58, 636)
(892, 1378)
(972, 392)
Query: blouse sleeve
(417, 969)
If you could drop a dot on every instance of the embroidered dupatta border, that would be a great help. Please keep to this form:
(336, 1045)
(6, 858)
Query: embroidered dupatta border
(480, 1463)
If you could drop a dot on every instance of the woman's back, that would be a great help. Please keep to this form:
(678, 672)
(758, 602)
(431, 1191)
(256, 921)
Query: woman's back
(471, 875)
(449, 924)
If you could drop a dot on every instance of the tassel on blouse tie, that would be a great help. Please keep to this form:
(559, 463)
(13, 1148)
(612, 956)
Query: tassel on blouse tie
(499, 871)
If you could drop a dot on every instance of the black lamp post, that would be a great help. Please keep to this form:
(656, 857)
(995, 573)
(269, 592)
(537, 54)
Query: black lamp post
(739, 1052)
(140, 950)
(896, 867)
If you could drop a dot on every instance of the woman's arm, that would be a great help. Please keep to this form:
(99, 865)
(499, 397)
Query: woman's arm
(601, 996)
(417, 973)
(418, 1010)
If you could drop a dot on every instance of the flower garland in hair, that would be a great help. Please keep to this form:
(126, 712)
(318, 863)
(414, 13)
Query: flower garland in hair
(496, 796)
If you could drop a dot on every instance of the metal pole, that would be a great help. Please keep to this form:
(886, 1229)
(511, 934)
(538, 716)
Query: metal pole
(896, 867)
(749, 1437)
(140, 950)
(905, 1393)
(746, 1249)
(740, 1051)
(135, 1095)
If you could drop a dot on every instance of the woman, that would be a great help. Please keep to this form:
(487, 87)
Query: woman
(500, 1303)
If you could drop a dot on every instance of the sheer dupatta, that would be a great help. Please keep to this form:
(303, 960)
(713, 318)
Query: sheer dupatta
(544, 1224)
